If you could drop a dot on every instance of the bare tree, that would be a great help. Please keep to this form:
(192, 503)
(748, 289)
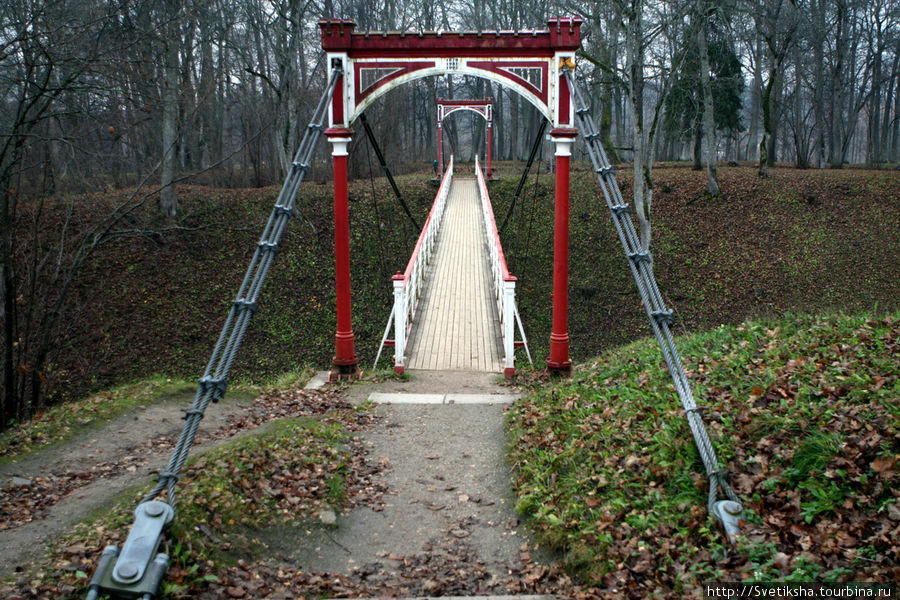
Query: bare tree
(168, 197)
(777, 22)
(46, 50)
(639, 36)
(703, 10)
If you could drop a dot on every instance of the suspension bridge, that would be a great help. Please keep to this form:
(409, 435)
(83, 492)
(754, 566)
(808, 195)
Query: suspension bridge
(454, 304)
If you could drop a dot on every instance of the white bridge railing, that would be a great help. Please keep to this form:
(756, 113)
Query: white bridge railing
(504, 284)
(407, 285)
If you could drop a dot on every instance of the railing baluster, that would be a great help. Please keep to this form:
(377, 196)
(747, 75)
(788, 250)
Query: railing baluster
(504, 284)
(408, 283)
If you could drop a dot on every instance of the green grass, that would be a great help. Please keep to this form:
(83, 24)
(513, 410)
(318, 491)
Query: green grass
(799, 410)
(236, 485)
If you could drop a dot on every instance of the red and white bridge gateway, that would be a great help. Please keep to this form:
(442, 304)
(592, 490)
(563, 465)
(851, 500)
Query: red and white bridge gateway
(446, 107)
(528, 62)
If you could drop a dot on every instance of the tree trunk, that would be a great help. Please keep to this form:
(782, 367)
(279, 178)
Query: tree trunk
(755, 98)
(819, 83)
(643, 189)
(168, 198)
(835, 154)
(889, 102)
(9, 407)
(697, 151)
(709, 121)
(514, 130)
(873, 146)
(767, 125)
(774, 117)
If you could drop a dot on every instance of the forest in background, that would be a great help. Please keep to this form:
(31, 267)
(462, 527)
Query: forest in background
(120, 94)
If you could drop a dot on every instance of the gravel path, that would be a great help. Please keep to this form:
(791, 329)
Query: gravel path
(448, 482)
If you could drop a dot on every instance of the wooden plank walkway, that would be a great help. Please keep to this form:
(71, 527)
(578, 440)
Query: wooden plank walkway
(456, 325)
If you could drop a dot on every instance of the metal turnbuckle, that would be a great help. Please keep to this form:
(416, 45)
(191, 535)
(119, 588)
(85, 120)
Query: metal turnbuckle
(137, 570)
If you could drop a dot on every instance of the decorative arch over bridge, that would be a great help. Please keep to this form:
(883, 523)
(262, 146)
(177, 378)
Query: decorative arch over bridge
(527, 62)
(367, 65)
(446, 107)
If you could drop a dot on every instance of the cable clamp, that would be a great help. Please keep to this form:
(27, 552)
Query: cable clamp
(720, 474)
(191, 411)
(639, 257)
(663, 316)
(166, 476)
(582, 111)
(621, 209)
(242, 304)
(284, 210)
(299, 166)
(606, 172)
(268, 247)
(590, 137)
(218, 386)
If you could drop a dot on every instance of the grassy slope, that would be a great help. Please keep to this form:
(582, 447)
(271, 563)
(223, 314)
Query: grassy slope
(805, 241)
(804, 413)
(162, 306)
(810, 241)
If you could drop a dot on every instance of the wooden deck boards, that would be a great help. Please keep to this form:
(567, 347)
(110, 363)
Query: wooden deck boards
(456, 325)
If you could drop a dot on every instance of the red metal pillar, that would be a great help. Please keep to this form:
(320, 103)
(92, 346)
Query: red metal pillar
(440, 153)
(558, 361)
(490, 173)
(344, 355)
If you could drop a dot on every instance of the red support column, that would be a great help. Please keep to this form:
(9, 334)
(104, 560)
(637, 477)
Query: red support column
(558, 361)
(490, 173)
(440, 153)
(344, 355)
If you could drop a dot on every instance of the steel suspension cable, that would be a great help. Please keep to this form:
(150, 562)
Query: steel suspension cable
(535, 146)
(640, 262)
(213, 383)
(134, 571)
(373, 143)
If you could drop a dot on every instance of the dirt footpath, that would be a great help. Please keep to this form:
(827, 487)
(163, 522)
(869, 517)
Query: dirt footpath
(43, 495)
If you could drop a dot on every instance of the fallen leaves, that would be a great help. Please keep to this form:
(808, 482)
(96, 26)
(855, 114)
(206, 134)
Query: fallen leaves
(22, 503)
(805, 413)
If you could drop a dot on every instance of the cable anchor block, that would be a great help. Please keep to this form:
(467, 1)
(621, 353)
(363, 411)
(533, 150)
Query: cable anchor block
(728, 513)
(138, 569)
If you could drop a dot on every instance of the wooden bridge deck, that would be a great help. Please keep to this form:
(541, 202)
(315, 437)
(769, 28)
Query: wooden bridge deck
(456, 325)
